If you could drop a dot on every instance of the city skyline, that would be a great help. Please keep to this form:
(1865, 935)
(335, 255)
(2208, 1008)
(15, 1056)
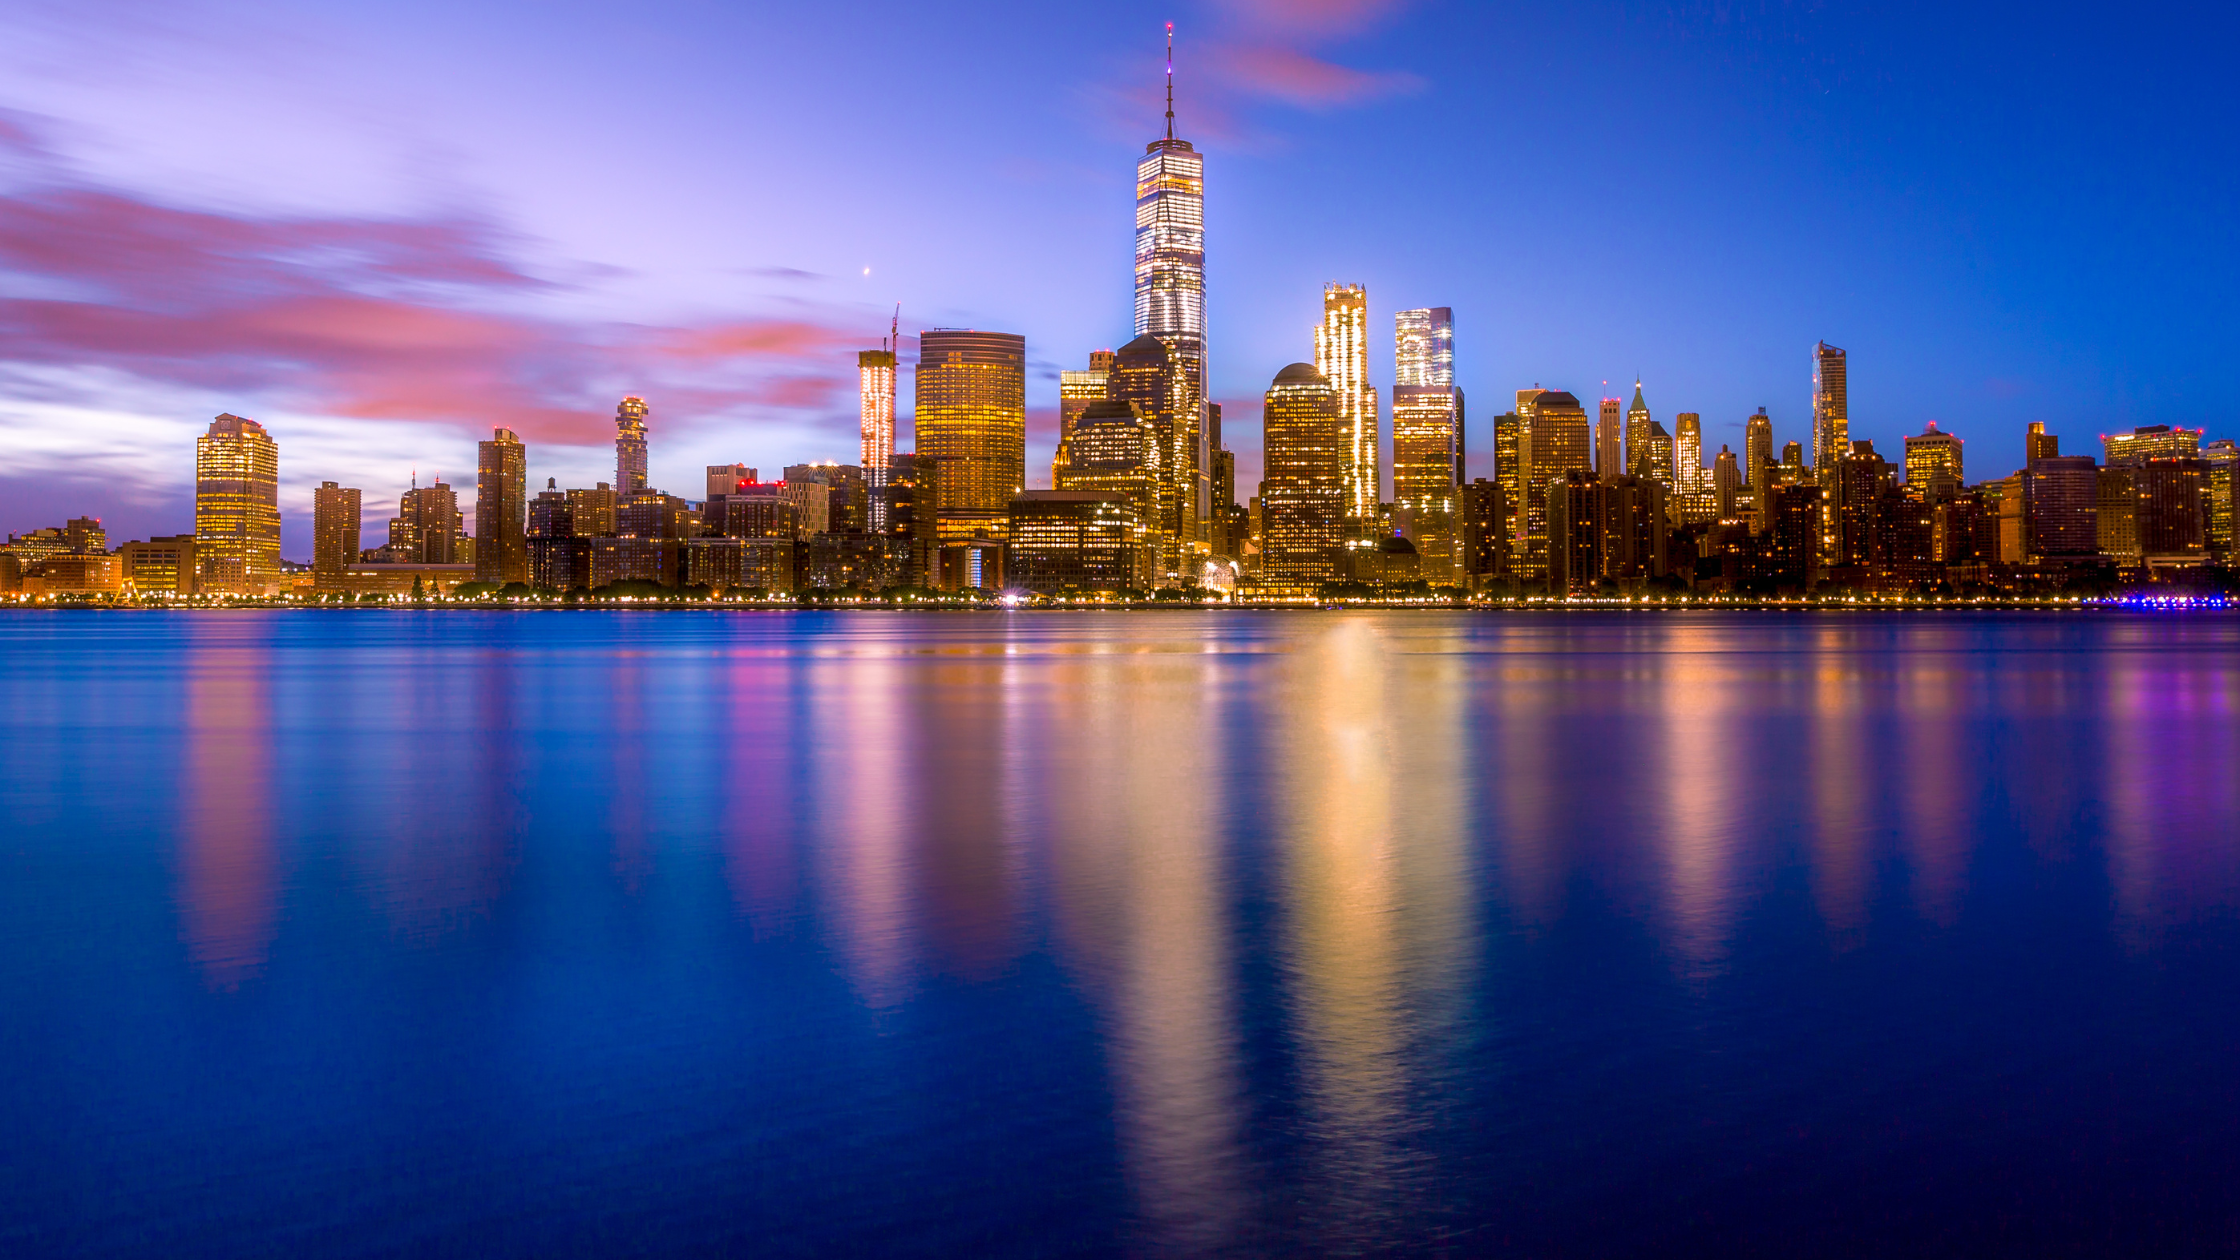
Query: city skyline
(1262, 287)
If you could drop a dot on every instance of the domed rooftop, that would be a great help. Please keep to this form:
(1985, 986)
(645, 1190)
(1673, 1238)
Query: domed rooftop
(1301, 374)
(1146, 344)
(1397, 546)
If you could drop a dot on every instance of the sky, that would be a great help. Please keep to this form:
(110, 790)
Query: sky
(383, 229)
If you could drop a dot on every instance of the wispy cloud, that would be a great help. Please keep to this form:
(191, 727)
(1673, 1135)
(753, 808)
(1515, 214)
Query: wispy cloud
(111, 302)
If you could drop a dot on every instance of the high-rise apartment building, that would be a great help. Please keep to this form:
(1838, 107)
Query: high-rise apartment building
(427, 526)
(2060, 506)
(1508, 476)
(1304, 496)
(2173, 507)
(335, 514)
(237, 508)
(1637, 428)
(2223, 458)
(1726, 480)
(875, 379)
(1687, 452)
(592, 511)
(1858, 480)
(1341, 355)
(1655, 460)
(1555, 441)
(501, 509)
(1831, 406)
(1426, 436)
(2038, 444)
(2155, 441)
(971, 428)
(1171, 295)
(629, 449)
(1610, 439)
(1932, 456)
(1757, 448)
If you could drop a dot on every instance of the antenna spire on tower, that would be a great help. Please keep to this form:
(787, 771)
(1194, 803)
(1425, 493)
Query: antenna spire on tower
(1170, 80)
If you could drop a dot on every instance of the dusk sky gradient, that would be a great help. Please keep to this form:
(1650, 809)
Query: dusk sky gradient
(383, 228)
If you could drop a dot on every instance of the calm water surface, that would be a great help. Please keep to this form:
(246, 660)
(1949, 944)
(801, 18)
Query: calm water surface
(378, 933)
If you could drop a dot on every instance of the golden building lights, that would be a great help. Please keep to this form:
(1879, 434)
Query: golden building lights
(1341, 356)
(237, 508)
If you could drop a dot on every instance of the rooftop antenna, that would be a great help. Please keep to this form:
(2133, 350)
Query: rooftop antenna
(1170, 80)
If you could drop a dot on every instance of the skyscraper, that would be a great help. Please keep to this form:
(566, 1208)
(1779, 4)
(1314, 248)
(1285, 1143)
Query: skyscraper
(335, 512)
(501, 509)
(1076, 390)
(1303, 498)
(1637, 427)
(2038, 444)
(1610, 440)
(2223, 458)
(1114, 449)
(1687, 452)
(1426, 435)
(630, 449)
(875, 374)
(1757, 449)
(1831, 407)
(1932, 456)
(1171, 288)
(237, 508)
(1149, 374)
(971, 428)
(1508, 477)
(1341, 355)
(1726, 478)
(2155, 441)
(1555, 442)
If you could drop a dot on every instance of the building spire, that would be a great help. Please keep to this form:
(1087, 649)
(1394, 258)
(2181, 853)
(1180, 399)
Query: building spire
(1170, 80)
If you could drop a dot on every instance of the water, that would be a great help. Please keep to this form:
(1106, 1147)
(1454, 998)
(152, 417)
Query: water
(378, 933)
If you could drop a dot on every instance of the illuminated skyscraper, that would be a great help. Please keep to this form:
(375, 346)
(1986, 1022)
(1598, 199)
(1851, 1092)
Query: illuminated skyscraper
(335, 512)
(2038, 444)
(1687, 452)
(1637, 427)
(2223, 458)
(1655, 459)
(1610, 440)
(1076, 390)
(1757, 448)
(875, 373)
(1726, 478)
(1555, 443)
(1114, 449)
(630, 449)
(1303, 498)
(1831, 407)
(1149, 374)
(1508, 476)
(501, 509)
(1426, 435)
(1171, 292)
(1341, 355)
(2157, 441)
(237, 508)
(971, 428)
(1931, 456)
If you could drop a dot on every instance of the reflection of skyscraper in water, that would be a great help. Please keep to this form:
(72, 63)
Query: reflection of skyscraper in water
(228, 888)
(869, 854)
(1142, 891)
(1344, 913)
(1705, 740)
(1837, 779)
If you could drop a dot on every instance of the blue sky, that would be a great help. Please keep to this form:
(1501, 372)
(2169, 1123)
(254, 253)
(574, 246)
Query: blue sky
(382, 229)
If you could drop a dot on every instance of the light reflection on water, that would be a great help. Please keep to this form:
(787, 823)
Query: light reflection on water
(1177, 934)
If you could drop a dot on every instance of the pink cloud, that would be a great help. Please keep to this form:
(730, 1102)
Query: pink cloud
(1302, 79)
(1310, 19)
(424, 320)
